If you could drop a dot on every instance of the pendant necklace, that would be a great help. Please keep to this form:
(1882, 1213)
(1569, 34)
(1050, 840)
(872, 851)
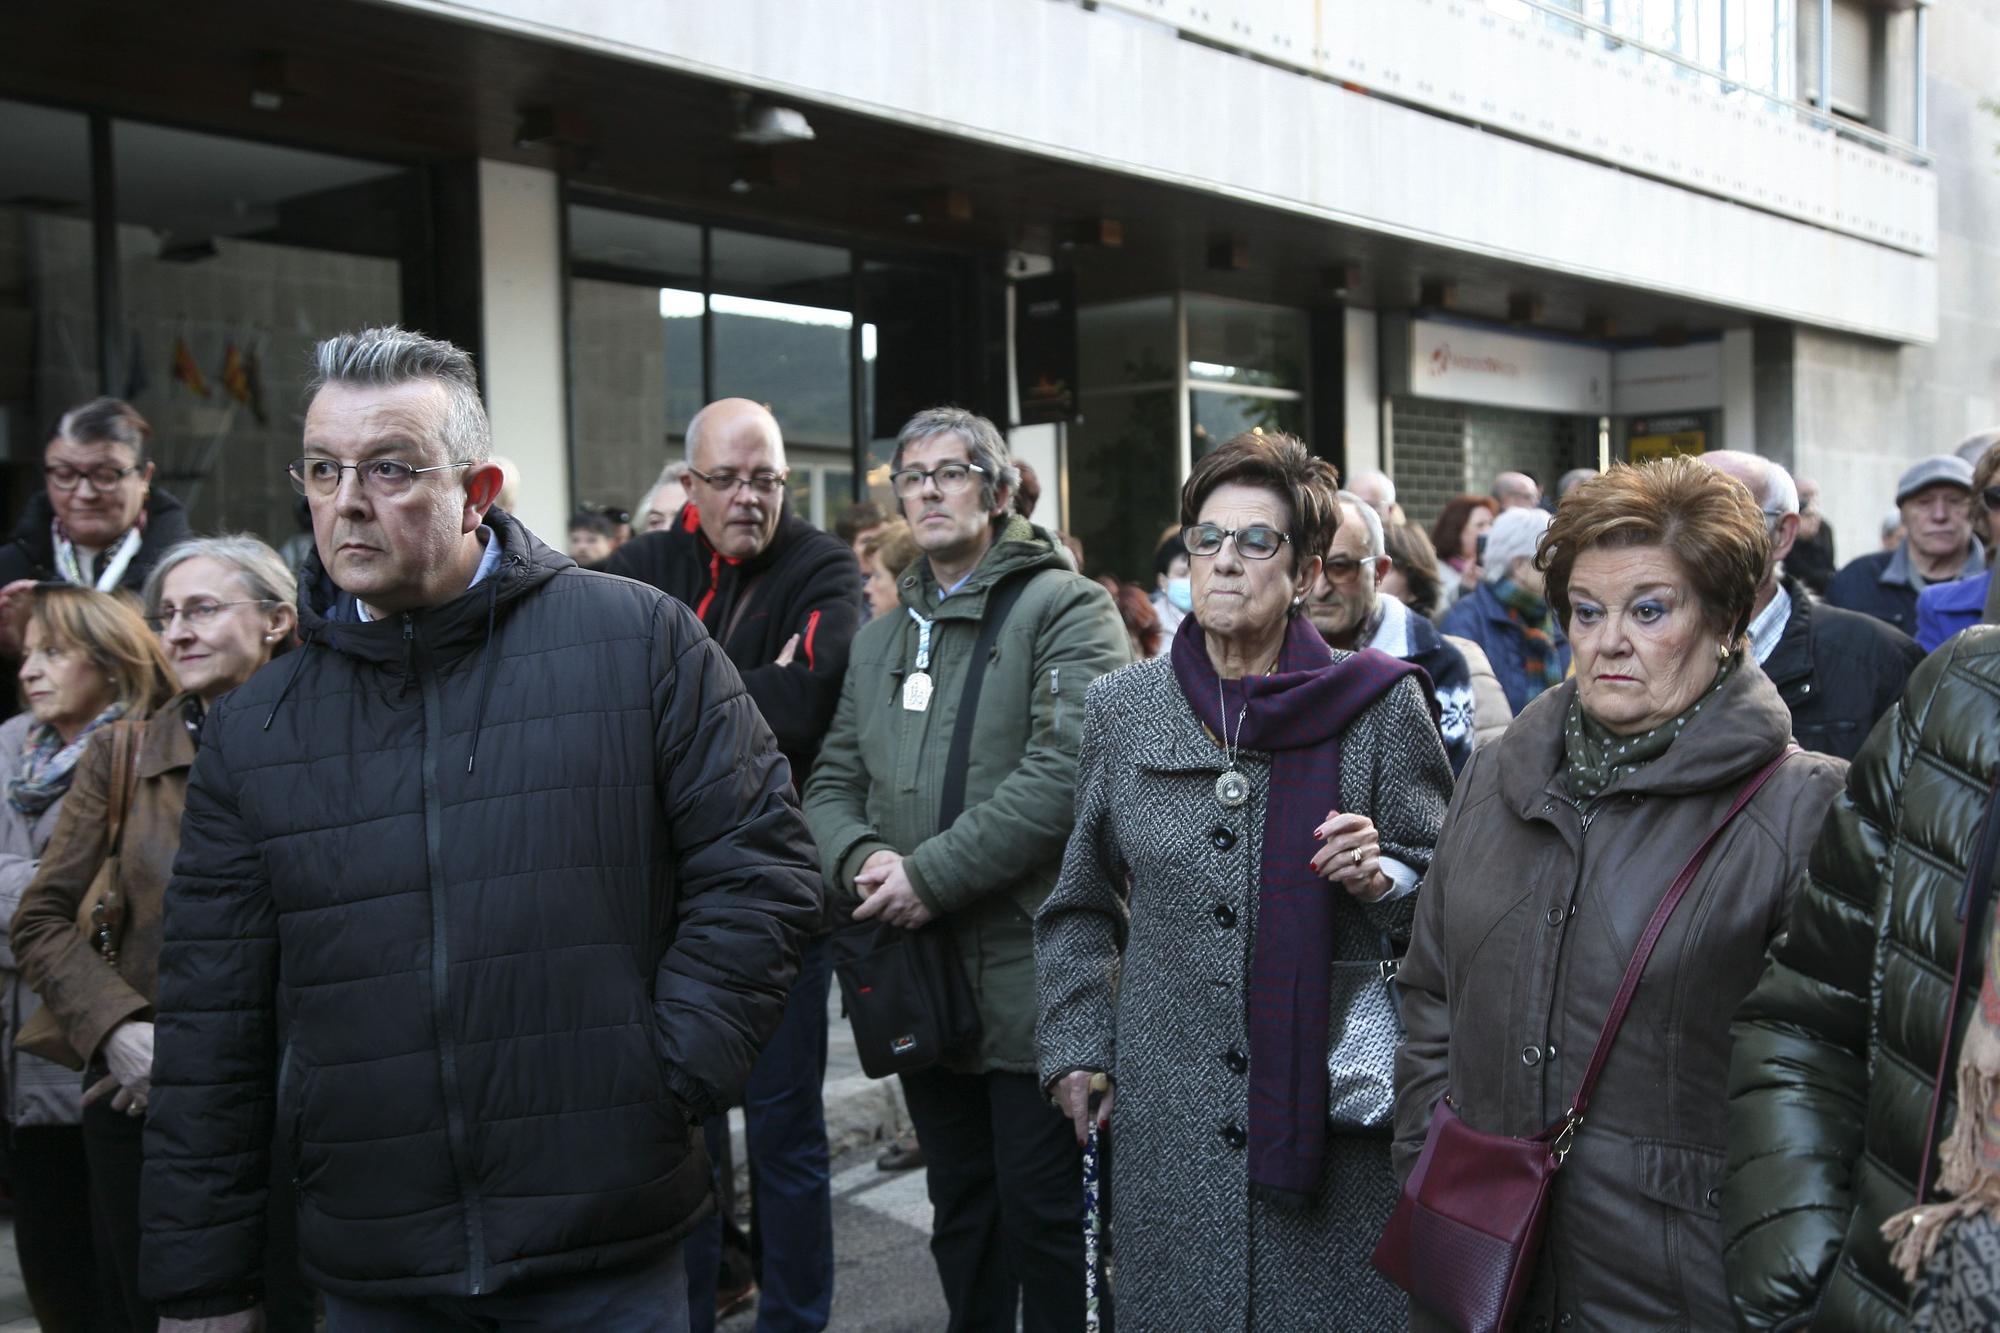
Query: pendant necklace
(1232, 789)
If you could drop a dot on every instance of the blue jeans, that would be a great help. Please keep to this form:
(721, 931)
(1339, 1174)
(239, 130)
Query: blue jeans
(785, 1131)
(650, 1298)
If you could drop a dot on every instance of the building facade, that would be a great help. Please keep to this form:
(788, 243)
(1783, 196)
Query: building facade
(1442, 237)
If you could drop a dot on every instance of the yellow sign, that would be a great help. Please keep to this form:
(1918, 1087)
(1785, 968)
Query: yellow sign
(1646, 448)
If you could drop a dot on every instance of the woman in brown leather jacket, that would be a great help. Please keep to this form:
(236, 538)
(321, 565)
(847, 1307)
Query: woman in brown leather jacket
(1561, 840)
(222, 607)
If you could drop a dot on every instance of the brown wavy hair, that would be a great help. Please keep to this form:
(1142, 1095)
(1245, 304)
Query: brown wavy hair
(1418, 564)
(1449, 530)
(1709, 522)
(107, 629)
(1276, 462)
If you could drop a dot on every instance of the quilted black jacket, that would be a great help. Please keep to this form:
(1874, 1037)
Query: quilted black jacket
(478, 906)
(1837, 1048)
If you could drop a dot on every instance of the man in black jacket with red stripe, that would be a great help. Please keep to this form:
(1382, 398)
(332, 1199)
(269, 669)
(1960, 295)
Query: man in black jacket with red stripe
(783, 599)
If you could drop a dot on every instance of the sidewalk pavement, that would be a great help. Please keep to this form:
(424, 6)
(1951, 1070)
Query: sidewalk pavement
(14, 1314)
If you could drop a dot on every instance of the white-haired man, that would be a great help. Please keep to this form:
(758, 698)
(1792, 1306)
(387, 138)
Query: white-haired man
(1838, 671)
(484, 897)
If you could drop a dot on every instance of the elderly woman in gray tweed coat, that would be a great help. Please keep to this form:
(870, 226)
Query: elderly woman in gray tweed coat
(1253, 809)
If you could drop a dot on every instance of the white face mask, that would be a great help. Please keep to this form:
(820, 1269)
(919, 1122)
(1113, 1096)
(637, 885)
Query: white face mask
(1180, 594)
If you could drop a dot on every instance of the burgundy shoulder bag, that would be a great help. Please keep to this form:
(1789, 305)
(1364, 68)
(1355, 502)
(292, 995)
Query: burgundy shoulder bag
(1466, 1231)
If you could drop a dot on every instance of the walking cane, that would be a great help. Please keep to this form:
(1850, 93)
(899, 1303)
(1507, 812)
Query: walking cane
(1093, 1217)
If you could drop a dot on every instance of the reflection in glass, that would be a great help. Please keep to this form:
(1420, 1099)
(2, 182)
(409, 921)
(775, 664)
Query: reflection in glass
(1216, 417)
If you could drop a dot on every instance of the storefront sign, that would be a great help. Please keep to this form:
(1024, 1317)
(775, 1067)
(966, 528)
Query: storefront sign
(1663, 437)
(1045, 348)
(1667, 379)
(1467, 364)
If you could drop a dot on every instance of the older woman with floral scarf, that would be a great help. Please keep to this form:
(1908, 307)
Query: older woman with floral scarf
(89, 662)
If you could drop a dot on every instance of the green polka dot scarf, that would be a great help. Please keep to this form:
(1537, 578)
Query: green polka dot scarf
(1596, 757)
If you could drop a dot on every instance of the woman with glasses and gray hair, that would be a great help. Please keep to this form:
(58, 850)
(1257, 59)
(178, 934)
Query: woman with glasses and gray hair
(222, 608)
(1253, 812)
(99, 522)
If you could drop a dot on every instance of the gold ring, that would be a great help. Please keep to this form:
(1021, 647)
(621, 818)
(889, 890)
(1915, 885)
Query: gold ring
(1357, 856)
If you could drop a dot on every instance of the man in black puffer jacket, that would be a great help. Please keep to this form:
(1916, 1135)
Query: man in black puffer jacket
(484, 897)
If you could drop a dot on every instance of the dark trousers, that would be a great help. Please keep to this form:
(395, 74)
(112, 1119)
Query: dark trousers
(52, 1231)
(791, 1199)
(115, 1143)
(1006, 1183)
(651, 1298)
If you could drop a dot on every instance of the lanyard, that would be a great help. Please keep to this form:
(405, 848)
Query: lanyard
(923, 639)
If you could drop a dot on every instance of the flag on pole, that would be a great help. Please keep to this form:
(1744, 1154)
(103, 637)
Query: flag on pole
(186, 371)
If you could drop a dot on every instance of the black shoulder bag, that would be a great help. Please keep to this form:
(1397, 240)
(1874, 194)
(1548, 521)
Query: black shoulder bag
(906, 991)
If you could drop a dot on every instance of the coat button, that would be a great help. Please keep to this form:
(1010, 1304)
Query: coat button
(1235, 1060)
(1232, 1134)
(1531, 1055)
(1225, 916)
(1565, 1320)
(1221, 838)
(1555, 916)
(1714, 1196)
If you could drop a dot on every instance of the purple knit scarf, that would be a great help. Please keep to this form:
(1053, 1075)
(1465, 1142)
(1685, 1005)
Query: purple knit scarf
(1298, 716)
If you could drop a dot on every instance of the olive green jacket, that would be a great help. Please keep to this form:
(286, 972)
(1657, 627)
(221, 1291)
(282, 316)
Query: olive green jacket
(1837, 1047)
(880, 774)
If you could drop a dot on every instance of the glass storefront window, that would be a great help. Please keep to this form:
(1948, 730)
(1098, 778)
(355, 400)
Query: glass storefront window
(235, 258)
(48, 319)
(1235, 342)
(1215, 417)
(1126, 343)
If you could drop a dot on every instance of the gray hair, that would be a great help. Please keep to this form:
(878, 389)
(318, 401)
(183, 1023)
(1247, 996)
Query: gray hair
(1776, 493)
(264, 573)
(1377, 547)
(106, 421)
(385, 357)
(985, 447)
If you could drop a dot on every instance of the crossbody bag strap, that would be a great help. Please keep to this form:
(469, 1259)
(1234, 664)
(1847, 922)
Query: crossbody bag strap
(999, 602)
(1972, 898)
(1654, 928)
(122, 765)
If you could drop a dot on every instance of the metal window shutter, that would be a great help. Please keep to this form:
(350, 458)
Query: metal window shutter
(1853, 56)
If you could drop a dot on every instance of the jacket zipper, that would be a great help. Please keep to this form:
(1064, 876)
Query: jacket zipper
(1055, 689)
(441, 1013)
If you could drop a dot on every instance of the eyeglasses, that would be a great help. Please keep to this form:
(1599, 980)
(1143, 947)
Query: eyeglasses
(764, 482)
(1990, 497)
(102, 478)
(1340, 568)
(379, 476)
(1257, 542)
(196, 614)
(949, 478)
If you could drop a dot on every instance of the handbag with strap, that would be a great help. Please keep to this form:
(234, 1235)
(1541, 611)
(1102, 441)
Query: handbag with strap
(907, 995)
(1361, 1059)
(100, 913)
(1465, 1234)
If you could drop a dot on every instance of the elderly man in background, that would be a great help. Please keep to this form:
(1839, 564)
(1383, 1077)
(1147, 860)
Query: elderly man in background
(1377, 491)
(1347, 608)
(1946, 608)
(1837, 671)
(1934, 498)
(661, 505)
(1516, 490)
(783, 599)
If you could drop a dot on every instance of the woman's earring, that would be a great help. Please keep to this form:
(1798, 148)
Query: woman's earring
(1722, 652)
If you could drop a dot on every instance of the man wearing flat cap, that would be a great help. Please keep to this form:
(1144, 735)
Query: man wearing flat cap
(1935, 499)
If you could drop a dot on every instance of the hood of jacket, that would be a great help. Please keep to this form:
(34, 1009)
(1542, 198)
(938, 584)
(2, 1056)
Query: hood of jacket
(1732, 736)
(327, 618)
(1017, 547)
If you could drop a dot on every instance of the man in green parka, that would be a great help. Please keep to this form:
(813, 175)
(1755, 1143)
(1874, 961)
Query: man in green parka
(1004, 1173)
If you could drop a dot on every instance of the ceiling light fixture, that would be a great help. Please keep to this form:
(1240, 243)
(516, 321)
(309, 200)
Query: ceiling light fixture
(766, 124)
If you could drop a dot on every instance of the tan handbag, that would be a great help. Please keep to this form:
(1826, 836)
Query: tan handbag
(100, 914)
